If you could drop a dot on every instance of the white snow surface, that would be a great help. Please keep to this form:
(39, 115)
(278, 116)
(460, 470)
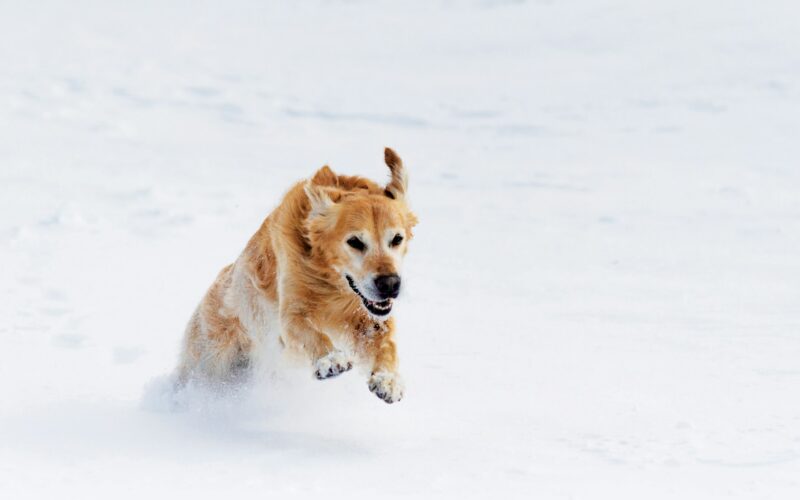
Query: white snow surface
(602, 299)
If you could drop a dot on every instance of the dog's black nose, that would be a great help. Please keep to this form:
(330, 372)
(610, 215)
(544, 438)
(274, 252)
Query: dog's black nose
(388, 285)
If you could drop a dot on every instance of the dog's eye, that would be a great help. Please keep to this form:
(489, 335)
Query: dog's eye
(398, 238)
(357, 244)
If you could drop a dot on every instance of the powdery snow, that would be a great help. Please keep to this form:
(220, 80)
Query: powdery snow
(602, 299)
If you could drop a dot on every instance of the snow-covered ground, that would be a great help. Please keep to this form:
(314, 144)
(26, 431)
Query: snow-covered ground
(603, 298)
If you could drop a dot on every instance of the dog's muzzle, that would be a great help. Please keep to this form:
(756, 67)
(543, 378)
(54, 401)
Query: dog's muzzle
(376, 307)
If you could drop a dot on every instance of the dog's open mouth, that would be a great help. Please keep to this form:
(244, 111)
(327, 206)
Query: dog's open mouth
(378, 308)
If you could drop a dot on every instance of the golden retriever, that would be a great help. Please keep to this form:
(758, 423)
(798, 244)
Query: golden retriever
(322, 271)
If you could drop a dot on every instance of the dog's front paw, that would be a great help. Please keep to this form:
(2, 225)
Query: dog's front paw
(386, 385)
(332, 364)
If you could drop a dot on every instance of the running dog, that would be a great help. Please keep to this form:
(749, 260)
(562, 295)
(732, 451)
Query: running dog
(324, 266)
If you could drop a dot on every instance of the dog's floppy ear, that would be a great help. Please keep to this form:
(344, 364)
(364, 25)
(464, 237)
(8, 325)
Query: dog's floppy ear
(319, 199)
(319, 195)
(324, 177)
(399, 182)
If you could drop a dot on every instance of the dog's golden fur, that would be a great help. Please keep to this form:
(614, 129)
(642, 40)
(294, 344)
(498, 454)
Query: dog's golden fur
(293, 274)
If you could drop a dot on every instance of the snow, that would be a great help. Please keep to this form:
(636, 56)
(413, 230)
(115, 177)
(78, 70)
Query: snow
(601, 299)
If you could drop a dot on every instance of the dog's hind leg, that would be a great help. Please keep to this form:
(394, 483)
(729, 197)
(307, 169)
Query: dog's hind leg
(191, 351)
(216, 347)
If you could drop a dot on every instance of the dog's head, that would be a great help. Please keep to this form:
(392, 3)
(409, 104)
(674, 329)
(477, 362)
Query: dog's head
(361, 231)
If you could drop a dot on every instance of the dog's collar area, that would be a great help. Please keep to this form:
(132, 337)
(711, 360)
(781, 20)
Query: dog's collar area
(378, 308)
